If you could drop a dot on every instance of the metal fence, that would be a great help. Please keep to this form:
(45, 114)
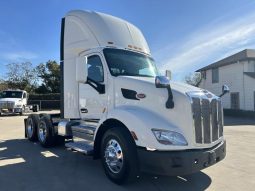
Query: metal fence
(46, 104)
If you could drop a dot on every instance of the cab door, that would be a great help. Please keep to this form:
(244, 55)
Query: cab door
(93, 93)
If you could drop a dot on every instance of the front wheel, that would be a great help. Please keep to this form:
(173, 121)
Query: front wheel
(22, 111)
(119, 156)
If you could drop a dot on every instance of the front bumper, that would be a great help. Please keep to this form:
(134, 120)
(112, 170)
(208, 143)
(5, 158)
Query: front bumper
(11, 110)
(173, 163)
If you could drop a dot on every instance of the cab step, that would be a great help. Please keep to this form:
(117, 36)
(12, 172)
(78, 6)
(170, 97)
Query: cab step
(82, 131)
(84, 147)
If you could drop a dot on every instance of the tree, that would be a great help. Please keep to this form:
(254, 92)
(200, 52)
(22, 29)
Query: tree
(193, 79)
(3, 85)
(50, 75)
(21, 76)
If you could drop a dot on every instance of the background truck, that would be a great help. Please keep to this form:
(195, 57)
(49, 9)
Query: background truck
(116, 107)
(15, 101)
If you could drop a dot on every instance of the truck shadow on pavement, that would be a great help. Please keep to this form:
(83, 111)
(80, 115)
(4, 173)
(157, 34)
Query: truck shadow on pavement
(28, 166)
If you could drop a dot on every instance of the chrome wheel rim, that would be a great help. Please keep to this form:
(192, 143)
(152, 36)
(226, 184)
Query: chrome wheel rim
(30, 128)
(42, 131)
(114, 156)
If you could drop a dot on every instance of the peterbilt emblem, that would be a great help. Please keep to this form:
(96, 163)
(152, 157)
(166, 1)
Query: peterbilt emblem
(209, 95)
(140, 96)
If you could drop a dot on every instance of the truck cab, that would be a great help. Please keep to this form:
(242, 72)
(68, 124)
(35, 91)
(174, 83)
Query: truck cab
(13, 101)
(117, 107)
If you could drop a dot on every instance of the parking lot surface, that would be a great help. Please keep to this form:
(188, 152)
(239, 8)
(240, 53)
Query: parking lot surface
(27, 166)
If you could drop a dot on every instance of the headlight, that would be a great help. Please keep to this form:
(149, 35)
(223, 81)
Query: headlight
(169, 137)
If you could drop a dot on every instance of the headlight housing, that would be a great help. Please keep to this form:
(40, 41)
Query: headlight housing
(166, 137)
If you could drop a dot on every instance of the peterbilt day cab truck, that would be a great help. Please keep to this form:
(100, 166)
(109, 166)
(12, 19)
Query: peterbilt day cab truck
(116, 107)
(15, 101)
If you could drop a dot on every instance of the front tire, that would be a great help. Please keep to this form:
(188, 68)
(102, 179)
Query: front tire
(22, 111)
(35, 108)
(45, 132)
(119, 156)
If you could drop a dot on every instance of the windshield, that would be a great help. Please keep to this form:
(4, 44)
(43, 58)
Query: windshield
(128, 63)
(11, 94)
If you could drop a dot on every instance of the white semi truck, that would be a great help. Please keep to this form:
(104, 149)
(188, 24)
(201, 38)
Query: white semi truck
(15, 101)
(115, 106)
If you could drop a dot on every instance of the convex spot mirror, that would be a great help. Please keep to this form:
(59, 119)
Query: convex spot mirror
(161, 82)
(81, 69)
(225, 89)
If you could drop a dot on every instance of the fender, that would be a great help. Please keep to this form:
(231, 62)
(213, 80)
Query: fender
(141, 121)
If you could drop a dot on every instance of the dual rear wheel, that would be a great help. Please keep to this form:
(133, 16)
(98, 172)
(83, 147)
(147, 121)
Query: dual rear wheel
(41, 129)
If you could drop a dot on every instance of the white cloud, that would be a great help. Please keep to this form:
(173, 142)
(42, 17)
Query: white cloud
(211, 43)
(19, 56)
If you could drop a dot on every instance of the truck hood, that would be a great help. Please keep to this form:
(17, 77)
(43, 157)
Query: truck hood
(153, 102)
(176, 86)
(154, 99)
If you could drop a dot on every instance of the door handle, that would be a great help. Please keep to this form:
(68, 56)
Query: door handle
(84, 110)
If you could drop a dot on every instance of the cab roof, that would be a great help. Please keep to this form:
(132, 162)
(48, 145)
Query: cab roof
(93, 29)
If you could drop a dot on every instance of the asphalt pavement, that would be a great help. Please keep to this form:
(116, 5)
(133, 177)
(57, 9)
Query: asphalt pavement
(27, 166)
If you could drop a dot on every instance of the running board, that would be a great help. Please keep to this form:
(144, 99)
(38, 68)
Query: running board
(85, 132)
(81, 146)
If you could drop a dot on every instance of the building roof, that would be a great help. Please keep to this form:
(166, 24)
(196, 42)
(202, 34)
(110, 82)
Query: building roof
(251, 74)
(247, 54)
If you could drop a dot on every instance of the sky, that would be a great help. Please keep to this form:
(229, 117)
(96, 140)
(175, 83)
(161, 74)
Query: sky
(183, 35)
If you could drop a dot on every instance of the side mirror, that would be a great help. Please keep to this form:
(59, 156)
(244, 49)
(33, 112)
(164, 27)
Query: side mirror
(81, 69)
(225, 89)
(169, 74)
(161, 82)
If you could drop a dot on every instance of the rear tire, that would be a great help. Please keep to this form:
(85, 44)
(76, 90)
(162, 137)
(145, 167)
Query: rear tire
(31, 127)
(35, 108)
(45, 133)
(119, 156)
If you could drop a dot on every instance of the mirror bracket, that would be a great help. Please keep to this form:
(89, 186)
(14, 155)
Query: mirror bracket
(163, 82)
(225, 89)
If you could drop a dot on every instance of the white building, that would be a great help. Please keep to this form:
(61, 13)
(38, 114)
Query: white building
(236, 71)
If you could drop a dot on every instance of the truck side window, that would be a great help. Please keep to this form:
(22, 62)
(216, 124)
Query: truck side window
(24, 95)
(95, 69)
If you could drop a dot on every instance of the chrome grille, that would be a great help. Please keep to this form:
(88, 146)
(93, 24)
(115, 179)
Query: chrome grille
(197, 119)
(207, 119)
(220, 120)
(7, 105)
